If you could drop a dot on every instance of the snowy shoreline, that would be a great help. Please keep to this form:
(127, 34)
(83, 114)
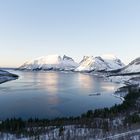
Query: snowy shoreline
(6, 76)
(79, 132)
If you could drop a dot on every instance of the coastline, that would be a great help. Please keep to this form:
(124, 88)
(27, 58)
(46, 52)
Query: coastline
(83, 122)
(101, 123)
(6, 76)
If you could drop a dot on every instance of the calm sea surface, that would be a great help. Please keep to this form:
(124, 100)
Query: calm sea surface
(54, 94)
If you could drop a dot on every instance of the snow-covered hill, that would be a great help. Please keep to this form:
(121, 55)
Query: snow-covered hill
(133, 67)
(6, 76)
(50, 62)
(104, 63)
(113, 62)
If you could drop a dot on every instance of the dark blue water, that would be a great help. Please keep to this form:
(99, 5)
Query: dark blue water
(54, 94)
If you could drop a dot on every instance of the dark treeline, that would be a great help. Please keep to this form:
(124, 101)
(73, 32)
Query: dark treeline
(19, 126)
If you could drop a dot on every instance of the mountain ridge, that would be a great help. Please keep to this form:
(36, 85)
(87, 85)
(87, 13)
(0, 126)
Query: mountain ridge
(57, 62)
(99, 63)
(50, 62)
(132, 67)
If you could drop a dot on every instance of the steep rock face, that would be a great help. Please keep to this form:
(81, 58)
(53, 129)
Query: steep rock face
(133, 67)
(50, 62)
(90, 63)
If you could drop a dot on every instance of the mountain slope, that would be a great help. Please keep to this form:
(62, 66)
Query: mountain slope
(50, 62)
(133, 67)
(104, 63)
(113, 62)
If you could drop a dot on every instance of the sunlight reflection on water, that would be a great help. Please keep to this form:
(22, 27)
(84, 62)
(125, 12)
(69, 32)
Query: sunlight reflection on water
(54, 94)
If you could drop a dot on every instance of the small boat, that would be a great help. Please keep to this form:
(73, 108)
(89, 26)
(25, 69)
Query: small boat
(95, 94)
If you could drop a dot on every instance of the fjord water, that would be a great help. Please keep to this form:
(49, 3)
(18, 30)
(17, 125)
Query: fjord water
(54, 94)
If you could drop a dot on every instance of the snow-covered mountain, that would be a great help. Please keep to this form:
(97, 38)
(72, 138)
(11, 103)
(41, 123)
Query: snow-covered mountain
(50, 62)
(129, 74)
(113, 62)
(6, 76)
(133, 67)
(104, 63)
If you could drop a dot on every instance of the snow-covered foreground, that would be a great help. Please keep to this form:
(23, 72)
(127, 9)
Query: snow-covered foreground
(73, 133)
(133, 135)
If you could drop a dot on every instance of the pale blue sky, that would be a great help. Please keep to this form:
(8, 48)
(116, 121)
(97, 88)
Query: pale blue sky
(32, 28)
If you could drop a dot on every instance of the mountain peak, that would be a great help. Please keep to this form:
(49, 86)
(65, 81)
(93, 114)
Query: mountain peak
(89, 63)
(49, 62)
(109, 56)
(65, 57)
(106, 63)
